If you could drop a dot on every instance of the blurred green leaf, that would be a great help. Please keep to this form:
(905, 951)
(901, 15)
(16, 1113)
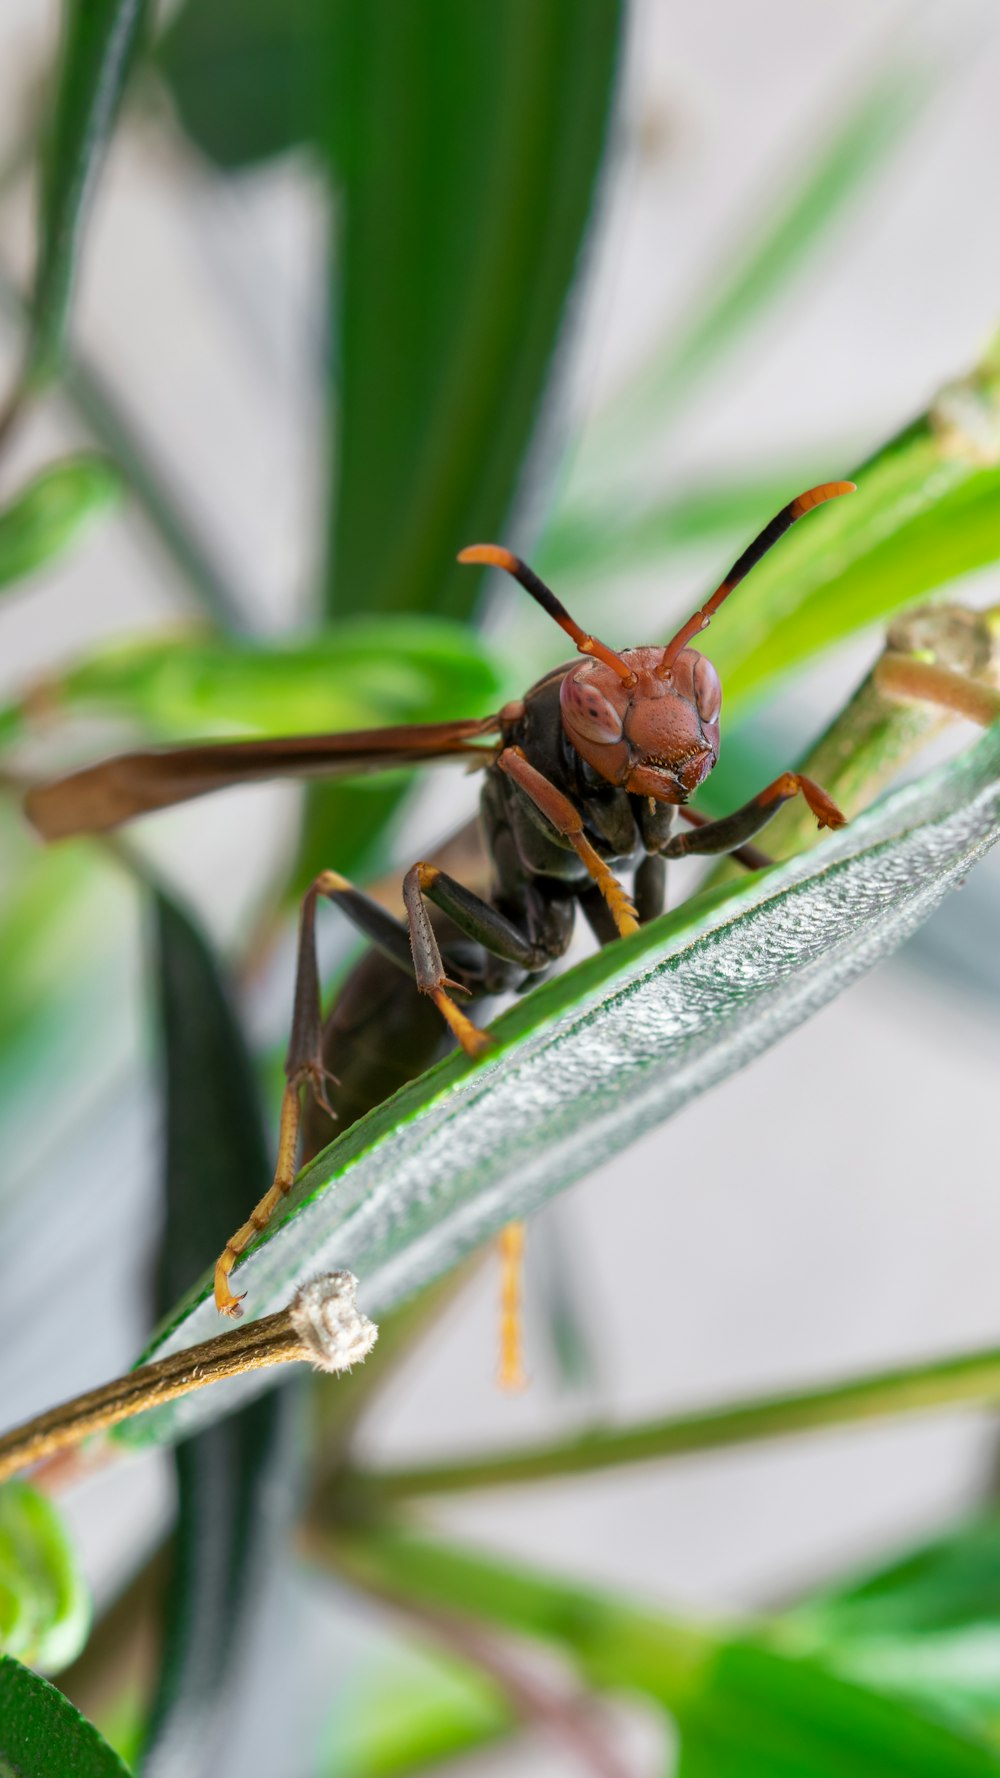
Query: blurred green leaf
(408, 1712)
(99, 38)
(614, 536)
(43, 1736)
(927, 510)
(356, 674)
(630, 1035)
(926, 1624)
(53, 512)
(44, 1602)
(243, 74)
(743, 1710)
(764, 1715)
(464, 144)
(236, 1482)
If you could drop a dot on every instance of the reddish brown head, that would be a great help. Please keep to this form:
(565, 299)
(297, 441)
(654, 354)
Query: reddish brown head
(648, 718)
(656, 736)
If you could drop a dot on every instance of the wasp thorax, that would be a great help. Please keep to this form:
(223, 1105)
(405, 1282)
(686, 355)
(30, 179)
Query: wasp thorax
(655, 736)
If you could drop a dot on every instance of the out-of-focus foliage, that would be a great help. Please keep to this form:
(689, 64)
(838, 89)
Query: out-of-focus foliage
(51, 514)
(44, 1601)
(99, 39)
(238, 1482)
(355, 674)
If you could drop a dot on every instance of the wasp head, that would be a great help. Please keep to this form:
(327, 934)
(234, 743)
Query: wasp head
(654, 735)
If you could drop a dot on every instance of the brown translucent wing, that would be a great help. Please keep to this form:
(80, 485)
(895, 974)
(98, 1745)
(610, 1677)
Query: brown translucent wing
(131, 784)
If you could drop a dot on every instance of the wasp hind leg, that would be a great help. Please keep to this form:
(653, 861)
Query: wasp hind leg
(415, 950)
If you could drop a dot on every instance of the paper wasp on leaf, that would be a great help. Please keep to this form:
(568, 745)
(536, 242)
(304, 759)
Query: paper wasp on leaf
(582, 779)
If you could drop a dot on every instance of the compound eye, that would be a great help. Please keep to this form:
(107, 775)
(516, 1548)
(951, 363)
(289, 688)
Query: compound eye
(587, 712)
(707, 691)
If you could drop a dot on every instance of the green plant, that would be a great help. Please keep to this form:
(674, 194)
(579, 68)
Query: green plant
(459, 150)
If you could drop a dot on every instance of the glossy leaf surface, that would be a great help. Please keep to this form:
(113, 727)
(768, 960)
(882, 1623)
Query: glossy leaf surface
(588, 1061)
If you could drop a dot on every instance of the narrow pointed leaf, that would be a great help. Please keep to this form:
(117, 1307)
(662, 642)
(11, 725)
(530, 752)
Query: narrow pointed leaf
(43, 1736)
(585, 1063)
(235, 1481)
(99, 38)
(463, 145)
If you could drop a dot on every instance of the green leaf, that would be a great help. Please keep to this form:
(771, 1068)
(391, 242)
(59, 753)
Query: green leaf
(587, 1062)
(51, 514)
(243, 75)
(743, 1710)
(43, 1736)
(612, 536)
(44, 1602)
(927, 510)
(236, 1482)
(352, 675)
(407, 1713)
(926, 1624)
(99, 39)
(763, 1715)
(463, 144)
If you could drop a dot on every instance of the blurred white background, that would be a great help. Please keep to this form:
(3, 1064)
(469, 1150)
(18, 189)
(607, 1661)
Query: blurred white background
(835, 1207)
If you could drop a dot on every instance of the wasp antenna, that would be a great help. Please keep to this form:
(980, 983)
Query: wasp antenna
(781, 522)
(493, 555)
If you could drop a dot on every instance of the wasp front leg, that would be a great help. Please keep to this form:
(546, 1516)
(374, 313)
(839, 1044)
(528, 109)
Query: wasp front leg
(733, 831)
(568, 822)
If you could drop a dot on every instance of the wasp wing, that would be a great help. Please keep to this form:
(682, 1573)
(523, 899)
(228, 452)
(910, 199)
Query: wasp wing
(103, 796)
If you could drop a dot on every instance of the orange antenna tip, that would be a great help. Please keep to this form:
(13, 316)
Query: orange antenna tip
(819, 496)
(491, 555)
(795, 509)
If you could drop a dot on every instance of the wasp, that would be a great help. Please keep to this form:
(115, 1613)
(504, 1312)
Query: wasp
(582, 779)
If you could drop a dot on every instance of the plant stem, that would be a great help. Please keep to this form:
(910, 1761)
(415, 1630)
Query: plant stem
(613, 1641)
(879, 731)
(321, 1325)
(973, 1378)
